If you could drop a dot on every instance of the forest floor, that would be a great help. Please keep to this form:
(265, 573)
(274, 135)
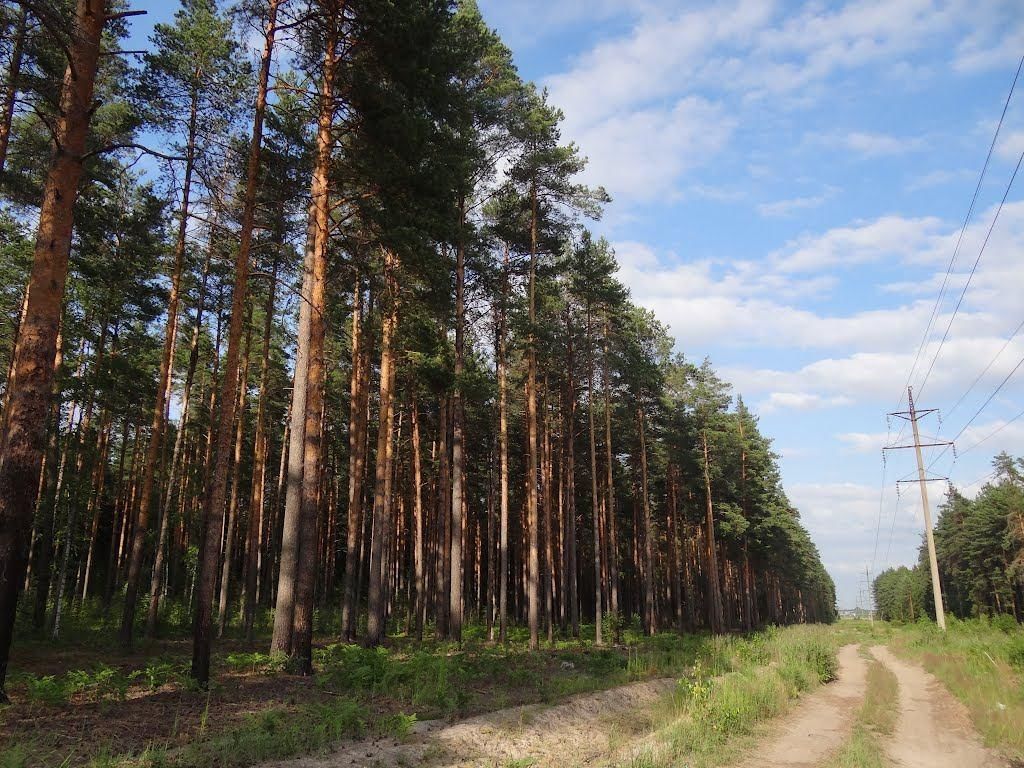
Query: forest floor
(895, 696)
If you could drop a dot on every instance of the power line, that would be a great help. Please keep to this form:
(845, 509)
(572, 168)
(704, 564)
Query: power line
(982, 479)
(987, 367)
(892, 528)
(978, 412)
(963, 229)
(881, 504)
(992, 434)
(974, 268)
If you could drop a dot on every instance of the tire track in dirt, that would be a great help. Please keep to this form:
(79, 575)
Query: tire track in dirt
(934, 729)
(579, 732)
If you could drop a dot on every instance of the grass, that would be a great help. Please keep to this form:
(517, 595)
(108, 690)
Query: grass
(875, 719)
(717, 710)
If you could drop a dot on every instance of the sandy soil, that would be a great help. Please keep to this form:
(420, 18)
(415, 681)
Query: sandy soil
(820, 723)
(584, 730)
(934, 729)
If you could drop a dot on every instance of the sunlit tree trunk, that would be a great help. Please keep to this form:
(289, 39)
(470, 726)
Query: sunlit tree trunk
(24, 438)
(502, 458)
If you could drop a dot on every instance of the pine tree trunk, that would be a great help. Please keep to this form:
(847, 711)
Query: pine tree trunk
(96, 498)
(284, 611)
(359, 387)
(206, 576)
(163, 391)
(613, 541)
(598, 597)
(24, 438)
(533, 563)
(153, 613)
(417, 500)
(650, 618)
(312, 459)
(254, 536)
(458, 468)
(502, 458)
(11, 89)
(375, 624)
(48, 498)
(716, 619)
(231, 516)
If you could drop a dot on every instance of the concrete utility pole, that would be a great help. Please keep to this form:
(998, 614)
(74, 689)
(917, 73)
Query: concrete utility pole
(913, 416)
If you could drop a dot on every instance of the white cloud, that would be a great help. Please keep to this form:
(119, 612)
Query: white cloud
(865, 442)
(788, 207)
(652, 102)
(937, 179)
(873, 144)
(800, 401)
(641, 155)
(1011, 145)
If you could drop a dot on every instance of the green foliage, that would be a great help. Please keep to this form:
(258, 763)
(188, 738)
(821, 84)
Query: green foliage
(273, 734)
(49, 690)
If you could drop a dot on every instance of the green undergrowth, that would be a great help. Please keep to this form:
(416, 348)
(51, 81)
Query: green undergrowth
(355, 691)
(716, 709)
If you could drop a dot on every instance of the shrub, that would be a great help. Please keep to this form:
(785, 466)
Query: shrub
(49, 690)
(1004, 622)
(1015, 652)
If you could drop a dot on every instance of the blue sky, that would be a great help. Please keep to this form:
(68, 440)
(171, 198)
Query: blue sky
(789, 182)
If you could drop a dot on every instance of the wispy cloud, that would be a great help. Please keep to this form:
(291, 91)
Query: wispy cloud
(781, 208)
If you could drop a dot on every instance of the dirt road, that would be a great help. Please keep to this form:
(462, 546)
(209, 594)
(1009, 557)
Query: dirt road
(933, 729)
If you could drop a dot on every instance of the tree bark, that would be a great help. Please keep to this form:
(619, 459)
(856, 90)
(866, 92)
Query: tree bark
(375, 628)
(24, 439)
(417, 510)
(163, 390)
(598, 597)
(207, 574)
(502, 457)
(302, 641)
(359, 389)
(254, 536)
(153, 613)
(716, 619)
(458, 467)
(533, 562)
(650, 619)
(231, 516)
(11, 89)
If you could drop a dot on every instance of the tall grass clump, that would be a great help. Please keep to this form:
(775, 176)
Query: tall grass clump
(736, 685)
